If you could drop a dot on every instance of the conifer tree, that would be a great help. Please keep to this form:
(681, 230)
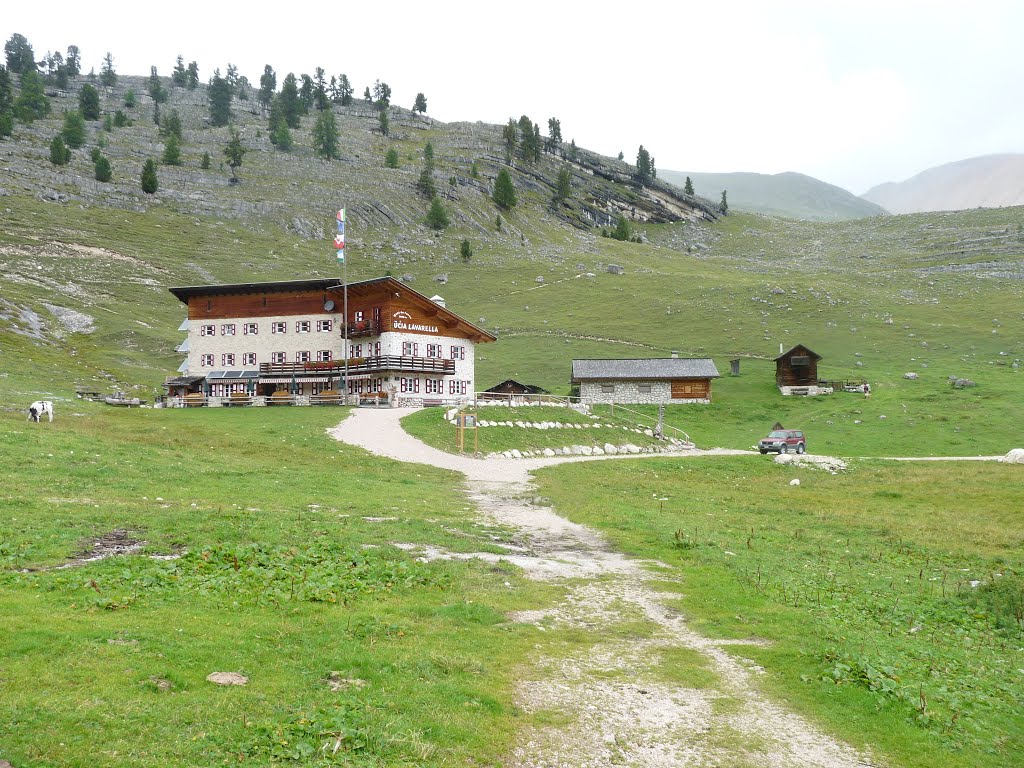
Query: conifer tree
(723, 205)
(172, 151)
(510, 136)
(391, 159)
(149, 179)
(20, 57)
(504, 193)
(73, 62)
(192, 76)
(563, 187)
(622, 230)
(171, 125)
(129, 99)
(89, 102)
(420, 105)
(101, 169)
(345, 91)
(291, 107)
(320, 100)
(688, 187)
(554, 140)
(306, 94)
(384, 123)
(59, 153)
(155, 88)
(204, 163)
(425, 184)
(382, 94)
(234, 152)
(178, 76)
(644, 168)
(73, 130)
(437, 217)
(108, 77)
(32, 102)
(466, 251)
(325, 136)
(219, 96)
(268, 84)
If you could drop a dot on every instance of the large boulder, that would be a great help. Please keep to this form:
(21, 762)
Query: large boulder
(1015, 456)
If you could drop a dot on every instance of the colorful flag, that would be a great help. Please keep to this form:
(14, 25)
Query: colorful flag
(339, 239)
(341, 216)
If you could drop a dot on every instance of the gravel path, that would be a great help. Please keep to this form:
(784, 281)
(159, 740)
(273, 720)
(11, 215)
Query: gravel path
(613, 707)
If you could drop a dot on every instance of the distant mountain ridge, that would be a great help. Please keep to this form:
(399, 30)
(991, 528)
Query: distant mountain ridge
(789, 195)
(989, 181)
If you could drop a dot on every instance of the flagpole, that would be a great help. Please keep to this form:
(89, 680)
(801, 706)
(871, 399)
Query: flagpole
(339, 244)
(345, 310)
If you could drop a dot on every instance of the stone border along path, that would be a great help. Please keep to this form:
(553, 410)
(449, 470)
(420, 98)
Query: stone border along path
(616, 711)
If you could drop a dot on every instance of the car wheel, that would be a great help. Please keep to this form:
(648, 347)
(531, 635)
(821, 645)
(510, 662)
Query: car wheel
(783, 448)
(763, 451)
(800, 448)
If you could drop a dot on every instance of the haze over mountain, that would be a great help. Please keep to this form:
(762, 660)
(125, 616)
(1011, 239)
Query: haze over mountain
(990, 181)
(789, 195)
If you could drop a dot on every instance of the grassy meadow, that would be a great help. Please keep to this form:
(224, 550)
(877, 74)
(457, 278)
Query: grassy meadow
(892, 595)
(284, 572)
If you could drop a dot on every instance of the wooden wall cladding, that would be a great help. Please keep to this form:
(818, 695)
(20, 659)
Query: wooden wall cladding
(691, 388)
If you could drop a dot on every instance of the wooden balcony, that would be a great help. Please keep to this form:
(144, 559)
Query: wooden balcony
(361, 329)
(361, 365)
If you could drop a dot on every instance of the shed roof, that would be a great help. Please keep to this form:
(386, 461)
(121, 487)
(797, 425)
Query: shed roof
(646, 368)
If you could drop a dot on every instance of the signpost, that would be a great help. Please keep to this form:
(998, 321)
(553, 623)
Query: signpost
(464, 421)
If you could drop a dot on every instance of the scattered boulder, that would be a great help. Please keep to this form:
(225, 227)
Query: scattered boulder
(610, 449)
(795, 481)
(407, 278)
(306, 229)
(910, 375)
(227, 678)
(615, 269)
(1015, 456)
(442, 278)
(540, 279)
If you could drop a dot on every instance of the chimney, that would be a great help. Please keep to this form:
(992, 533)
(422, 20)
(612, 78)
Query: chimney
(675, 354)
(781, 350)
(438, 300)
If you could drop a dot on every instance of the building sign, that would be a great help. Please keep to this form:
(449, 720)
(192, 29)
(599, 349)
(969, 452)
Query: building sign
(398, 322)
(401, 325)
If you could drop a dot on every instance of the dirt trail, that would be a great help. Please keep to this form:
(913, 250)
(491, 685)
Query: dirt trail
(613, 706)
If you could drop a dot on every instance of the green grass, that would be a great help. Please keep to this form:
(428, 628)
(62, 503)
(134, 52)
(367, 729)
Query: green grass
(862, 583)
(279, 577)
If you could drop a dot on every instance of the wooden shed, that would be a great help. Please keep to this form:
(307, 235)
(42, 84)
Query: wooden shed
(513, 387)
(797, 368)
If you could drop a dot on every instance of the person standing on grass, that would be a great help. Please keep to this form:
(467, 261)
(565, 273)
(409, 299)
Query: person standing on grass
(867, 390)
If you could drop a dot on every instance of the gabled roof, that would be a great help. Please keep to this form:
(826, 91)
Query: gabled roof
(332, 285)
(810, 352)
(646, 368)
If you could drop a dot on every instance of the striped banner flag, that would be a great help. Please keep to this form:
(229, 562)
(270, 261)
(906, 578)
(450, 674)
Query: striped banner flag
(339, 239)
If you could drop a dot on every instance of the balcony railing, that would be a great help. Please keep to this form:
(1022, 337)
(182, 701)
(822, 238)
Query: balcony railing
(361, 365)
(360, 329)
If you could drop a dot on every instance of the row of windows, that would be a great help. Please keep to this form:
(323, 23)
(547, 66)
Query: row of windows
(372, 349)
(412, 349)
(433, 386)
(253, 329)
(229, 359)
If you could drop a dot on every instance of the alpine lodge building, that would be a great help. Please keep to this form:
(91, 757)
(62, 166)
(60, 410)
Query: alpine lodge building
(286, 342)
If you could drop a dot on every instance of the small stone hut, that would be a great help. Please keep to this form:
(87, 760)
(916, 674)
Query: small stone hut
(649, 380)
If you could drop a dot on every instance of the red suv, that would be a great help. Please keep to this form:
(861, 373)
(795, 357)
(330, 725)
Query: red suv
(783, 441)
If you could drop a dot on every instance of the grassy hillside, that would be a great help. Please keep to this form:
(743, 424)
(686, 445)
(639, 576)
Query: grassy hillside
(85, 268)
(789, 195)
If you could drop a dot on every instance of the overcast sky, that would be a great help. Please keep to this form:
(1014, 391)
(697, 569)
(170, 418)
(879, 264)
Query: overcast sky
(853, 93)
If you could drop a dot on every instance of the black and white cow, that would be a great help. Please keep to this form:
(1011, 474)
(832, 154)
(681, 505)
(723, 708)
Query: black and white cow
(38, 408)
